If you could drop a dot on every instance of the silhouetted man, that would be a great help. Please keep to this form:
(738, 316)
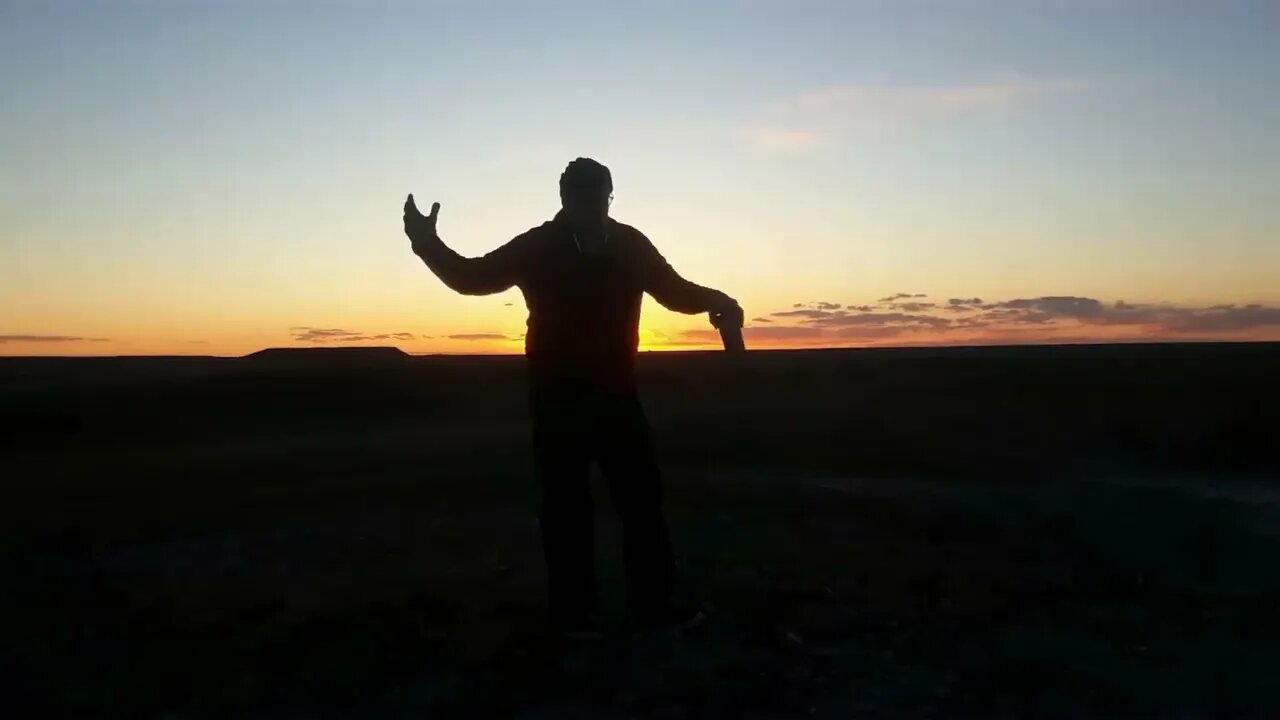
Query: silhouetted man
(583, 276)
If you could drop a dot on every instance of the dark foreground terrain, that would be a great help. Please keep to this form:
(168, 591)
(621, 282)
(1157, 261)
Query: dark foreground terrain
(1017, 532)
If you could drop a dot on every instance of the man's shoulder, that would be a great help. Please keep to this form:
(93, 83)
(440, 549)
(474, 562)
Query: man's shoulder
(551, 232)
(536, 235)
(634, 240)
(625, 230)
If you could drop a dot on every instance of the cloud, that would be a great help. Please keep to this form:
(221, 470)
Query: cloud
(48, 339)
(913, 307)
(478, 336)
(812, 310)
(321, 335)
(901, 296)
(1016, 315)
(1085, 310)
(884, 318)
(313, 334)
(963, 305)
(1050, 317)
(780, 139)
(809, 313)
(1058, 305)
(1228, 318)
(817, 115)
(761, 320)
(905, 101)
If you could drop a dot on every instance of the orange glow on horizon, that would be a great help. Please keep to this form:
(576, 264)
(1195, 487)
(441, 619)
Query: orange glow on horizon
(697, 341)
(797, 328)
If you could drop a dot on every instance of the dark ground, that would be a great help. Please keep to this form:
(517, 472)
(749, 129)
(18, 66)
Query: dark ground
(1016, 532)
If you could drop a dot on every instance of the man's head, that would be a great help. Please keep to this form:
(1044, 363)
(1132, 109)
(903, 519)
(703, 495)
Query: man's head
(586, 189)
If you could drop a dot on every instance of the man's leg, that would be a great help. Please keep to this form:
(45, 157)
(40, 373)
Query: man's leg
(627, 457)
(562, 464)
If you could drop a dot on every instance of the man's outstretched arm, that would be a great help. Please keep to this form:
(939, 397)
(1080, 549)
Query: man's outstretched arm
(492, 273)
(676, 293)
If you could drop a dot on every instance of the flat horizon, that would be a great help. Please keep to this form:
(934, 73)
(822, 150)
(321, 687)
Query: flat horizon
(674, 351)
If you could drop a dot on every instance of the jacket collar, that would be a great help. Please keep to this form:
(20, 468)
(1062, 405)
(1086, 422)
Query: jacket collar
(561, 220)
(561, 223)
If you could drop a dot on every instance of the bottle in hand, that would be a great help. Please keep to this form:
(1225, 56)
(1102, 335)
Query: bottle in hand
(730, 326)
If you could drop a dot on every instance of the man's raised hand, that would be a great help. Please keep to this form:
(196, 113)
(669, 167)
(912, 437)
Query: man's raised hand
(418, 226)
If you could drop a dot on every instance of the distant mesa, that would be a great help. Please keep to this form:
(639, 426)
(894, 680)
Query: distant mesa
(328, 355)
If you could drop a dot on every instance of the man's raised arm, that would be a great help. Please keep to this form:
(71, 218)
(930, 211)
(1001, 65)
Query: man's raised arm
(491, 273)
(675, 293)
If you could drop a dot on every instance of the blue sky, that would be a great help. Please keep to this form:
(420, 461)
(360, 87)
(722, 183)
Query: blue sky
(215, 173)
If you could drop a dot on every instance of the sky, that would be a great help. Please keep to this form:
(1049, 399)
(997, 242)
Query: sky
(217, 177)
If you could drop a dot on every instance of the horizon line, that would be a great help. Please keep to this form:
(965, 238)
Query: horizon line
(671, 350)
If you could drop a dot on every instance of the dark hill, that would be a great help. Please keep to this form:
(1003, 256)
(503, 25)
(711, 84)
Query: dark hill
(328, 355)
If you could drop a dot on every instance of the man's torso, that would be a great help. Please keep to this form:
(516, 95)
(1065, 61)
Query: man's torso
(584, 296)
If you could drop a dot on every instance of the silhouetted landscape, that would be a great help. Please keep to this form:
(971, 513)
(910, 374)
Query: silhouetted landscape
(994, 532)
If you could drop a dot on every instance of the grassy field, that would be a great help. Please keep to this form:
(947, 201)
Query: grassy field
(968, 533)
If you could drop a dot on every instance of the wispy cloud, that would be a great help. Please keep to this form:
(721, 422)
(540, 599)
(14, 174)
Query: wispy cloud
(47, 339)
(479, 336)
(780, 138)
(913, 307)
(817, 115)
(1049, 318)
(884, 318)
(1226, 319)
(906, 100)
(339, 335)
(960, 305)
(806, 313)
(811, 310)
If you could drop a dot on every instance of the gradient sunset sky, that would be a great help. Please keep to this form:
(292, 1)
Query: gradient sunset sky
(219, 177)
